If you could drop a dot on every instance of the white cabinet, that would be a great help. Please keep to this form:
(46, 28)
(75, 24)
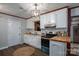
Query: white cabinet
(51, 18)
(42, 21)
(46, 19)
(27, 39)
(58, 18)
(57, 48)
(33, 40)
(38, 41)
(61, 18)
(29, 24)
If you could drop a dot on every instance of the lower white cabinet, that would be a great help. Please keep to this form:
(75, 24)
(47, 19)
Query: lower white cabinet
(57, 48)
(38, 42)
(33, 40)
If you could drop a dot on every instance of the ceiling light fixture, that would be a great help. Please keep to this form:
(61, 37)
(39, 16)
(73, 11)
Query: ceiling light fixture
(36, 12)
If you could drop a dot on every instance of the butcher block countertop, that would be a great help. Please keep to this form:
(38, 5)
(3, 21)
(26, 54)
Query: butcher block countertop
(60, 39)
(64, 39)
(32, 34)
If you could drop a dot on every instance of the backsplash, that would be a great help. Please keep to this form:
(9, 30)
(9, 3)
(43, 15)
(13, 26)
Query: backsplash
(29, 30)
(53, 30)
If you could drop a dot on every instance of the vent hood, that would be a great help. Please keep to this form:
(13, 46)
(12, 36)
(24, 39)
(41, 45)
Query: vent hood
(53, 25)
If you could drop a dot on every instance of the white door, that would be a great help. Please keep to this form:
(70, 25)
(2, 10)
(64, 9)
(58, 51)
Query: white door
(14, 33)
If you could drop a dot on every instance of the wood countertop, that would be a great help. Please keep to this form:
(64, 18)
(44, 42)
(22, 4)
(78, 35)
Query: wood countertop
(64, 39)
(31, 34)
(60, 39)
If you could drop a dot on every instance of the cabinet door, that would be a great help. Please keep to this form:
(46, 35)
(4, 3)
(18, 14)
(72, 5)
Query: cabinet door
(42, 21)
(26, 39)
(57, 48)
(52, 17)
(38, 42)
(30, 24)
(47, 19)
(61, 21)
(32, 40)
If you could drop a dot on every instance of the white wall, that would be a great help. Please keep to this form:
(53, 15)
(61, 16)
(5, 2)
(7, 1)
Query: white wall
(3, 32)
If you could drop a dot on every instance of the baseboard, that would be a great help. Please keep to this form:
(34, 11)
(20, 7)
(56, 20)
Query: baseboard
(7, 47)
(15, 45)
(3, 47)
(11, 46)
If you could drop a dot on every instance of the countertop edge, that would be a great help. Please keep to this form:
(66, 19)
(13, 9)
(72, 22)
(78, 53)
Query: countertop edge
(52, 39)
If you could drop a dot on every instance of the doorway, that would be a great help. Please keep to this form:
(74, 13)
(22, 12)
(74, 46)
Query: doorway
(37, 25)
(76, 34)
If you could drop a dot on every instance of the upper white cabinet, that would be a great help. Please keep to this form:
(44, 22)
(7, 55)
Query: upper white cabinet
(58, 18)
(29, 24)
(61, 18)
(51, 18)
(46, 19)
(42, 21)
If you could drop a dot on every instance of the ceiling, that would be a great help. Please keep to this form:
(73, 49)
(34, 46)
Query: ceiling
(24, 9)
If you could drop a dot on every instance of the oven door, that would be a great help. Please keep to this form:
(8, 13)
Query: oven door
(45, 49)
(45, 42)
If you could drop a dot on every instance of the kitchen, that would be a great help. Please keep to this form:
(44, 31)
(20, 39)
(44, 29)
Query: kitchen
(47, 30)
(44, 20)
